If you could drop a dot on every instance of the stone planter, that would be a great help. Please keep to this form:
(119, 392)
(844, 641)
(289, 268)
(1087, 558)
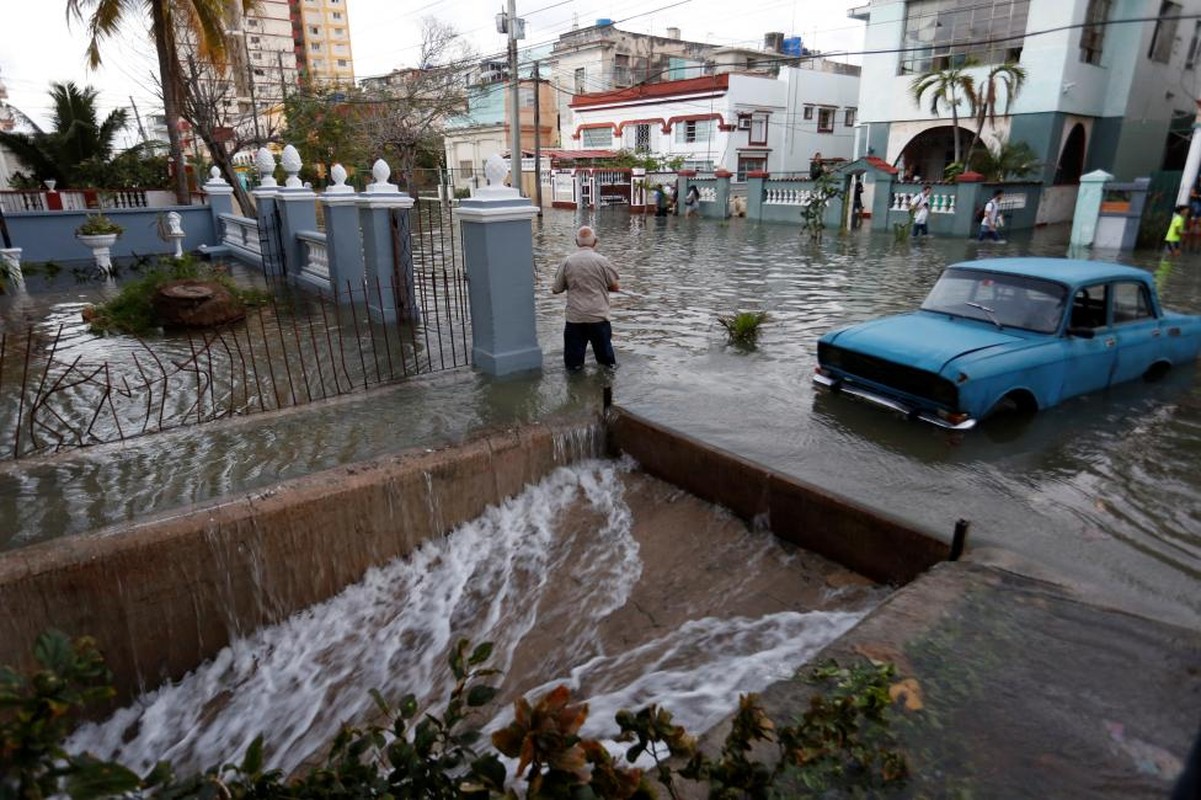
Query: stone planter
(100, 244)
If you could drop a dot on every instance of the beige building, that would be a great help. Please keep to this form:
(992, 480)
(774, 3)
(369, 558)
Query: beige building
(321, 31)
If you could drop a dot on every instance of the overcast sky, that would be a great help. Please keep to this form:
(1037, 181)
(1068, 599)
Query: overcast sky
(38, 46)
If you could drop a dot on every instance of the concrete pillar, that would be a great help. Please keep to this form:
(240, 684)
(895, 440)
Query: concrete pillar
(220, 197)
(1088, 208)
(969, 188)
(755, 182)
(343, 240)
(266, 213)
(498, 252)
(722, 200)
(1192, 162)
(297, 212)
(881, 201)
(389, 273)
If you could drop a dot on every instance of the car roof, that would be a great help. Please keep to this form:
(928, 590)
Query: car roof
(1062, 270)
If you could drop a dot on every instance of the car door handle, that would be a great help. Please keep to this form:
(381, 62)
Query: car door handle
(1155, 333)
(1110, 342)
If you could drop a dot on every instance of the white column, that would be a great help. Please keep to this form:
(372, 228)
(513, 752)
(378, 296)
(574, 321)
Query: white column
(1192, 163)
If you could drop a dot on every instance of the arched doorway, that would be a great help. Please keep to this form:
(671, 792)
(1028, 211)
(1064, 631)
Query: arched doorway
(929, 153)
(1071, 159)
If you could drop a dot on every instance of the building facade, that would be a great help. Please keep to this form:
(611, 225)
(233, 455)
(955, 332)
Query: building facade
(321, 36)
(1110, 84)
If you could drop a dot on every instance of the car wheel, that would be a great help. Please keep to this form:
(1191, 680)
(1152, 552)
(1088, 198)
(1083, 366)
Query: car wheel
(1156, 371)
(1010, 417)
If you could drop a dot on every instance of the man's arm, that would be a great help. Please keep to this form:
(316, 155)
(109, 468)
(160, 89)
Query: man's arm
(559, 284)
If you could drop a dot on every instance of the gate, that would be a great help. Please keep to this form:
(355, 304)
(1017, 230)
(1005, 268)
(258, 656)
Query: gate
(271, 242)
(429, 287)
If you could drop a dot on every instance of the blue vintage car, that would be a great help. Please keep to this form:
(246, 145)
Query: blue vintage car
(1014, 334)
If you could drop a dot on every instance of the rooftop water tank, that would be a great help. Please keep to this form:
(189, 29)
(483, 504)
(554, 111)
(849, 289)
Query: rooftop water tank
(604, 21)
(792, 46)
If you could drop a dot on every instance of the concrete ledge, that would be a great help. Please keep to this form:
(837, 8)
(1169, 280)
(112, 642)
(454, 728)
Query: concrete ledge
(874, 544)
(161, 596)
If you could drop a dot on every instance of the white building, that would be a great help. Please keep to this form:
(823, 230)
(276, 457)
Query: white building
(736, 121)
(1100, 93)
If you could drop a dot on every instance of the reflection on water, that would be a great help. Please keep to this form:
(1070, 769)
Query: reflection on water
(1103, 489)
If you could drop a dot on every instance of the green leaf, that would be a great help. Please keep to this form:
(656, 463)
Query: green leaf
(480, 654)
(100, 779)
(490, 771)
(408, 706)
(480, 695)
(53, 650)
(380, 702)
(252, 762)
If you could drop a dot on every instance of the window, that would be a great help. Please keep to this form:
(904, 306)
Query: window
(638, 137)
(339, 31)
(316, 46)
(314, 29)
(337, 15)
(694, 131)
(341, 62)
(848, 118)
(825, 120)
(598, 137)
(1191, 58)
(1092, 35)
(1088, 307)
(254, 40)
(808, 112)
(580, 76)
(1130, 303)
(1165, 32)
(758, 133)
(466, 169)
(748, 164)
(525, 96)
(947, 33)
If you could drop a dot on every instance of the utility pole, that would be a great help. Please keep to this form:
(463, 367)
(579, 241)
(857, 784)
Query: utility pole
(254, 107)
(515, 99)
(537, 139)
(138, 117)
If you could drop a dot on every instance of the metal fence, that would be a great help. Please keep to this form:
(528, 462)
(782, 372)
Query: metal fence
(62, 388)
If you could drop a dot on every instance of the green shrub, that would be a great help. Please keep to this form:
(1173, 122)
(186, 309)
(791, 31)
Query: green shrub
(742, 329)
(132, 310)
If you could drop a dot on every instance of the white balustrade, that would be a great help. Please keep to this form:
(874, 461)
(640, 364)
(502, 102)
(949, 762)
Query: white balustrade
(316, 256)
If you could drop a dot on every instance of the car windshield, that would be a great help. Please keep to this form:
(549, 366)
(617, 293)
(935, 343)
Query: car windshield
(1007, 301)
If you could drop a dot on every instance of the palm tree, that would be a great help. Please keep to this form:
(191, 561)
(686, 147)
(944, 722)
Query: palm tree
(1009, 76)
(77, 136)
(947, 87)
(1006, 161)
(205, 22)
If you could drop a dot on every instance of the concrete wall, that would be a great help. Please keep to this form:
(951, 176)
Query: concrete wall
(162, 596)
(870, 542)
(50, 235)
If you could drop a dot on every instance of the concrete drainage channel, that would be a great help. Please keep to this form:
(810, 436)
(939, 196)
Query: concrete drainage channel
(164, 595)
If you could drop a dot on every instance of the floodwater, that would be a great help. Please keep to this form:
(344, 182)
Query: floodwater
(1102, 492)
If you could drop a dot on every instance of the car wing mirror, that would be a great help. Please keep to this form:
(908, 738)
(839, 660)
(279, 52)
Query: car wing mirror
(1082, 333)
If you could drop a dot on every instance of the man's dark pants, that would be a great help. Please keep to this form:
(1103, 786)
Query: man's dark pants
(578, 335)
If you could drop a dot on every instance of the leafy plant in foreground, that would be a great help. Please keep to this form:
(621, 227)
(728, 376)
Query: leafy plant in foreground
(841, 743)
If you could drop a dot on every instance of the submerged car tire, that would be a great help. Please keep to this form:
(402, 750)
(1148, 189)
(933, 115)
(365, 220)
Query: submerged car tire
(1157, 371)
(1010, 416)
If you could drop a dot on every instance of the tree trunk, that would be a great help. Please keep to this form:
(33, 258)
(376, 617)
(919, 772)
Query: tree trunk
(955, 125)
(169, 77)
(221, 159)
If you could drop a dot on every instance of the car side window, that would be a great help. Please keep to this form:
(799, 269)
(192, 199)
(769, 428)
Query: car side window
(1088, 307)
(1131, 303)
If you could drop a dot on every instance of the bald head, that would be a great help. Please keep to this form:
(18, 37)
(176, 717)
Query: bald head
(585, 237)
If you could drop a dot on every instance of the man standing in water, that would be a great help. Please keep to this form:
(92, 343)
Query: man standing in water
(587, 277)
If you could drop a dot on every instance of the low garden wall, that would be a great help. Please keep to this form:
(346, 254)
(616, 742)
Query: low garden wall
(50, 235)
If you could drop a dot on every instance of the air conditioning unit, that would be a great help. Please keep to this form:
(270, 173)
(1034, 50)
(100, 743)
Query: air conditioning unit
(744, 123)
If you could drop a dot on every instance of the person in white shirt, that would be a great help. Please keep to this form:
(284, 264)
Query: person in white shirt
(587, 277)
(991, 220)
(921, 212)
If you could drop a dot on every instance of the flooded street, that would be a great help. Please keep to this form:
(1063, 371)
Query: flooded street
(1101, 493)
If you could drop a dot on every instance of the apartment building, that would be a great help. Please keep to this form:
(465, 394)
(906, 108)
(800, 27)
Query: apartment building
(321, 34)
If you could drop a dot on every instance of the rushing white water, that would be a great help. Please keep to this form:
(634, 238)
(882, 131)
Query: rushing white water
(494, 579)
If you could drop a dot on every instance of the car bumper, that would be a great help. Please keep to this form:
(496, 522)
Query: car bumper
(910, 411)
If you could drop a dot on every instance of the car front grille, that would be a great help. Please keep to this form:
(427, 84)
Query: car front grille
(899, 377)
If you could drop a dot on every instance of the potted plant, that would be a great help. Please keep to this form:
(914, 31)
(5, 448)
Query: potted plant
(98, 233)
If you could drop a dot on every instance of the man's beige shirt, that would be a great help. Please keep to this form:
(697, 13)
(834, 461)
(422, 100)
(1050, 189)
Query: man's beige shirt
(586, 276)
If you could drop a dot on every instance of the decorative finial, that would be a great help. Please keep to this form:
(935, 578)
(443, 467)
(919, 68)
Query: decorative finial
(214, 172)
(291, 164)
(338, 173)
(381, 171)
(495, 170)
(265, 163)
